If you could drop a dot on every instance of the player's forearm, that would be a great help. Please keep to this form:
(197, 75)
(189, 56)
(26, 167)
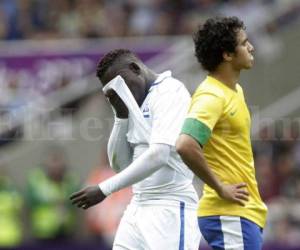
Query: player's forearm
(145, 165)
(192, 155)
(118, 149)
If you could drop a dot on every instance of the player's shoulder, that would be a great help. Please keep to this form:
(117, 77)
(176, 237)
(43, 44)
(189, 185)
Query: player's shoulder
(170, 84)
(208, 87)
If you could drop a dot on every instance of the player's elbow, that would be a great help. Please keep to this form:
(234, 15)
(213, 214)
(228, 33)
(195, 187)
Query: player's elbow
(182, 145)
(160, 153)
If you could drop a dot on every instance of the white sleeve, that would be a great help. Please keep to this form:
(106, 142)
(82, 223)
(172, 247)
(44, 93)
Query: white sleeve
(118, 148)
(169, 111)
(146, 164)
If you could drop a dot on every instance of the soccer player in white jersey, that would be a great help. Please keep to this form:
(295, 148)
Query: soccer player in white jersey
(162, 212)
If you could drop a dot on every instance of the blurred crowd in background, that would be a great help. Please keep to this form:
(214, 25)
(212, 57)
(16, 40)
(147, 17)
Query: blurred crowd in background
(41, 213)
(38, 19)
(61, 19)
(277, 162)
(43, 201)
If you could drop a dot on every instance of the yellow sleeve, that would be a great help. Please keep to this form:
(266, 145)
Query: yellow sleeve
(206, 108)
(204, 112)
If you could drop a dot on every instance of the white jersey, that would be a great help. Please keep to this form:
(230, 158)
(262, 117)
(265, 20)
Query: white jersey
(164, 110)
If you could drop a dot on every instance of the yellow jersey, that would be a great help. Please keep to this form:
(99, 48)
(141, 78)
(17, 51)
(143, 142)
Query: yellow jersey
(218, 118)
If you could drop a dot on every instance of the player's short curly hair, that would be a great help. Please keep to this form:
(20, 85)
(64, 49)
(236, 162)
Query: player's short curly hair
(110, 58)
(216, 36)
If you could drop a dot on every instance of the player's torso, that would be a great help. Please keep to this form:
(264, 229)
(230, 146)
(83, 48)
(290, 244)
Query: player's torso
(172, 181)
(166, 184)
(230, 138)
(229, 153)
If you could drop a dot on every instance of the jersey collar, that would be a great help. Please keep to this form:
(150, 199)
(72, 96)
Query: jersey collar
(160, 78)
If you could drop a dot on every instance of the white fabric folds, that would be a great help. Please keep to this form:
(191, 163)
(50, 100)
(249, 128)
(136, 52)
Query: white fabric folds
(135, 115)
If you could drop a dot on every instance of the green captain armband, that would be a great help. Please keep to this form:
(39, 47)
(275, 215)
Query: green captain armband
(196, 129)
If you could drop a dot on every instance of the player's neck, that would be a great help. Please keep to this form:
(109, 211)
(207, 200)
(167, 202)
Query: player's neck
(150, 77)
(228, 77)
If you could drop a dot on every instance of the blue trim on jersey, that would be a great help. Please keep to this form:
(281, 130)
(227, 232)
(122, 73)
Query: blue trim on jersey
(152, 85)
(160, 79)
(252, 235)
(155, 83)
(181, 241)
(146, 116)
(211, 229)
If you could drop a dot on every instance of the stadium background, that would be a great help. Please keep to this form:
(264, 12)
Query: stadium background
(54, 117)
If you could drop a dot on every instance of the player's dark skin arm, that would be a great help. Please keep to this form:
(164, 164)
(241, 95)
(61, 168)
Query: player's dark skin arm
(192, 155)
(87, 197)
(93, 195)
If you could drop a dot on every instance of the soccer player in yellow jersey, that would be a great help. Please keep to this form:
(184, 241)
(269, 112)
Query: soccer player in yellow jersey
(215, 140)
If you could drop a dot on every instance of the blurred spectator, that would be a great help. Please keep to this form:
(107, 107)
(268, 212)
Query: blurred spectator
(51, 214)
(103, 220)
(10, 212)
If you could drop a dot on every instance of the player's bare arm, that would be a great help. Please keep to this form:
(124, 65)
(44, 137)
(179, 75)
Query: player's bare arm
(192, 155)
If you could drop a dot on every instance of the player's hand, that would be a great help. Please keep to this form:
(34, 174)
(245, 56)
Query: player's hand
(87, 197)
(235, 193)
(117, 103)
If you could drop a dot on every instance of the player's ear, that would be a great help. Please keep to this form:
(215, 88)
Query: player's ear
(227, 56)
(135, 68)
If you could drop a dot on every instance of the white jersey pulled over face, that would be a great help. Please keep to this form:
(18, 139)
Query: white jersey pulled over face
(163, 111)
